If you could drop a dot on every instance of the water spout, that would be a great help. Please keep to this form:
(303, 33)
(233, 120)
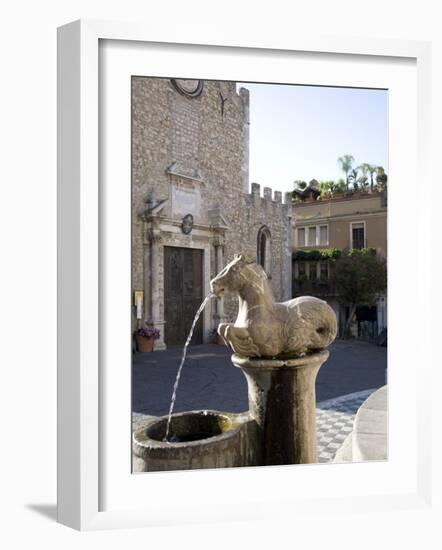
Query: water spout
(183, 358)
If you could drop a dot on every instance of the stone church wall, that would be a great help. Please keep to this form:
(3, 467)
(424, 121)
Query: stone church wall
(191, 154)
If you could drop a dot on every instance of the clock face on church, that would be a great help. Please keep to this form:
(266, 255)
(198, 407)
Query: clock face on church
(189, 88)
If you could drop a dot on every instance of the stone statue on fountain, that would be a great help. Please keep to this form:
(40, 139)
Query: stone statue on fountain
(265, 328)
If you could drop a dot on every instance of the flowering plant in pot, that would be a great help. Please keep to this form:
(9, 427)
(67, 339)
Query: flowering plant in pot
(145, 337)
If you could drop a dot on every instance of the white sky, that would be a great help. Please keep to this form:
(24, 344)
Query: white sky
(298, 132)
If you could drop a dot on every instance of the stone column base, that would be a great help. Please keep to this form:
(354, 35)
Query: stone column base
(159, 345)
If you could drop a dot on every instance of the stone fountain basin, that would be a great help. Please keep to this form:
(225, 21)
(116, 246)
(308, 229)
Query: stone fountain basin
(200, 439)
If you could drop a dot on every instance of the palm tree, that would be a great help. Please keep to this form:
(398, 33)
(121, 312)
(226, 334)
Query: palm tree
(339, 186)
(327, 188)
(346, 164)
(372, 170)
(381, 176)
(369, 169)
(353, 177)
(363, 182)
(365, 169)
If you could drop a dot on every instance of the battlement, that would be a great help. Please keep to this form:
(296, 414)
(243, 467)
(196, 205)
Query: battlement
(268, 193)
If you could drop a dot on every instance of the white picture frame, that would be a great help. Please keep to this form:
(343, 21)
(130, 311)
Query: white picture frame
(83, 402)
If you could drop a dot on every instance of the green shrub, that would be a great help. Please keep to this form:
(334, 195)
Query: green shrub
(317, 255)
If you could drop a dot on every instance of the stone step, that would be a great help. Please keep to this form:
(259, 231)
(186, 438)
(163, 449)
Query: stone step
(369, 439)
(344, 453)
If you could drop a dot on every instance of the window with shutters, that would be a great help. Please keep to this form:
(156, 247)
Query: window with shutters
(312, 235)
(357, 235)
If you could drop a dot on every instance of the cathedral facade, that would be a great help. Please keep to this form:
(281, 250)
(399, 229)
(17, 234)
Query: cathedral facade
(191, 206)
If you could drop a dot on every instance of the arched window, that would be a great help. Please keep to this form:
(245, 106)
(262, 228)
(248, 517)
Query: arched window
(264, 249)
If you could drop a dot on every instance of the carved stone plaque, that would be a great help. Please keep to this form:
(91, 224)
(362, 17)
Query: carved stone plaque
(185, 200)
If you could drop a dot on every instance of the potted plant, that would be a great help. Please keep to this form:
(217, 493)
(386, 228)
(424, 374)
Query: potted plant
(145, 337)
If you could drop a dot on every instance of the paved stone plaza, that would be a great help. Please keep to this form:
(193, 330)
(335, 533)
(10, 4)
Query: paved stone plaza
(210, 381)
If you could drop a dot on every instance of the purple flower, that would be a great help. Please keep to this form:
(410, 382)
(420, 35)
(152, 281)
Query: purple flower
(149, 332)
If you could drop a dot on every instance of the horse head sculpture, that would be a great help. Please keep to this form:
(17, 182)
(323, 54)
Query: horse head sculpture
(265, 328)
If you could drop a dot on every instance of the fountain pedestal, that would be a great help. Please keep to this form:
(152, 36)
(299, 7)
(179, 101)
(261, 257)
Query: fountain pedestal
(282, 401)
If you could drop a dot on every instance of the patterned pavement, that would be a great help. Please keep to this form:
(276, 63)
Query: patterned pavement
(334, 422)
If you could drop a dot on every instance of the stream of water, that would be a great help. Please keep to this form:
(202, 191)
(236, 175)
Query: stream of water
(183, 358)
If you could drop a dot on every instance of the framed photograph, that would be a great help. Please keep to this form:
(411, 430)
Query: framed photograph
(196, 177)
